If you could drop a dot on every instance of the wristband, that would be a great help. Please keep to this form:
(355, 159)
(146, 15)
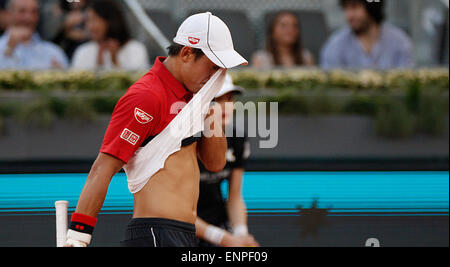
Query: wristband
(240, 230)
(81, 228)
(214, 234)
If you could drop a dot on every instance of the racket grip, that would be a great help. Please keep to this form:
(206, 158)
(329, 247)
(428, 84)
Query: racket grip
(61, 222)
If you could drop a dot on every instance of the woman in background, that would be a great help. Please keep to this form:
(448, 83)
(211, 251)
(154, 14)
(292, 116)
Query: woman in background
(111, 46)
(284, 46)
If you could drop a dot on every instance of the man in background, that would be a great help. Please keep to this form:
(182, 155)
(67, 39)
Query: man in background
(367, 42)
(3, 16)
(21, 47)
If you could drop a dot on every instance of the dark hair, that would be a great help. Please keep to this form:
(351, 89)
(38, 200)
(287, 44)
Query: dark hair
(66, 5)
(297, 47)
(374, 8)
(175, 49)
(110, 11)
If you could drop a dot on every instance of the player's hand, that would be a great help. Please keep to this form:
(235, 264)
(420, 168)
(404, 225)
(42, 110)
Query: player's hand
(72, 243)
(250, 241)
(77, 239)
(213, 121)
(214, 112)
(230, 240)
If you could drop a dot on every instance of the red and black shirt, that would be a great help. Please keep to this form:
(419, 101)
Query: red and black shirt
(144, 111)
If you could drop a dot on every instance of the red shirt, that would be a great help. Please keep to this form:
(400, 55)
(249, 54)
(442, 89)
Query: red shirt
(144, 111)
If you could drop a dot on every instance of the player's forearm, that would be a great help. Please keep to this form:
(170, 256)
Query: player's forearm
(89, 204)
(93, 195)
(237, 212)
(200, 227)
(236, 208)
(95, 189)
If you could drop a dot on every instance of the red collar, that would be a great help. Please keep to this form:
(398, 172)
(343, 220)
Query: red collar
(169, 80)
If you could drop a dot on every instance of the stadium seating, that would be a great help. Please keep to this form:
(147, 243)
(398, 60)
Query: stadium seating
(166, 24)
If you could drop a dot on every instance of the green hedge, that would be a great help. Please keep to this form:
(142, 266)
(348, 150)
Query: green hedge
(312, 79)
(402, 102)
(70, 80)
(300, 79)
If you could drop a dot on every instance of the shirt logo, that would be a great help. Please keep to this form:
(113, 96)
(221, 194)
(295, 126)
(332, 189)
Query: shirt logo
(129, 136)
(141, 116)
(193, 40)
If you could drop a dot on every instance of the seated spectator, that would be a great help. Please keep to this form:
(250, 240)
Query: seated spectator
(72, 32)
(3, 16)
(283, 44)
(111, 46)
(367, 42)
(21, 46)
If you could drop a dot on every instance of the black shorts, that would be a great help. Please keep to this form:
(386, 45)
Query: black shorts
(159, 232)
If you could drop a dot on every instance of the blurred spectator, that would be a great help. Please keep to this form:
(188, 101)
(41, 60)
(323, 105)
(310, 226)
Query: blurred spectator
(367, 42)
(21, 47)
(3, 16)
(283, 44)
(72, 32)
(111, 46)
(227, 215)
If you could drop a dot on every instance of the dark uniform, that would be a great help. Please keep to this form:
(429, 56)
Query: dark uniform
(211, 205)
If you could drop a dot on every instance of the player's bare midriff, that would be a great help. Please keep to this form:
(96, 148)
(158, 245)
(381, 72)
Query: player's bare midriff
(172, 192)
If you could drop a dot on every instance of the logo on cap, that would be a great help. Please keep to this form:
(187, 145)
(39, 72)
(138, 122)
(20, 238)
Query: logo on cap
(141, 116)
(193, 40)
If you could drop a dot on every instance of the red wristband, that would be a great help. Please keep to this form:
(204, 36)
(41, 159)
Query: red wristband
(82, 223)
(84, 219)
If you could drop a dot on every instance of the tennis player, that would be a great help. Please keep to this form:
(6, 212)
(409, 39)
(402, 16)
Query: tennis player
(165, 198)
(220, 222)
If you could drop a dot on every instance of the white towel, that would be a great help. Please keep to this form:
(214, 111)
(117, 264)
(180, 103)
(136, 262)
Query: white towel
(190, 120)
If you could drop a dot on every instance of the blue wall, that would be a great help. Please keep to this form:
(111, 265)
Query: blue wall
(280, 192)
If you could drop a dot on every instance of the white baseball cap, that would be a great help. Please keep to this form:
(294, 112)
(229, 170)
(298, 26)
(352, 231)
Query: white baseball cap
(228, 86)
(210, 34)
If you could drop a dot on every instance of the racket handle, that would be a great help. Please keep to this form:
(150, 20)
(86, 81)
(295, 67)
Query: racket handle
(61, 222)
